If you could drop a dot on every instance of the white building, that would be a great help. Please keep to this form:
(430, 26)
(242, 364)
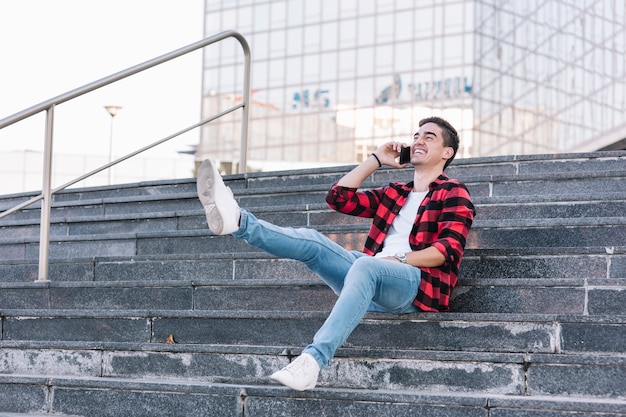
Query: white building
(331, 80)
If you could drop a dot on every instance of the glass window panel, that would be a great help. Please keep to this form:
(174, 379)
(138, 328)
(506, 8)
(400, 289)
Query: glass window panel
(384, 28)
(366, 31)
(453, 50)
(259, 46)
(437, 53)
(384, 58)
(295, 16)
(367, 7)
(277, 72)
(244, 24)
(212, 56)
(468, 50)
(294, 41)
(311, 68)
(278, 14)
(311, 38)
(329, 36)
(258, 77)
(274, 153)
(312, 11)
(294, 70)
(468, 15)
(328, 66)
(384, 5)
(261, 17)
(227, 80)
(405, 4)
(288, 95)
(328, 95)
(212, 5)
(345, 93)
(365, 92)
(424, 22)
(347, 34)
(211, 80)
(347, 8)
(387, 88)
(365, 61)
(402, 56)
(213, 23)
(260, 97)
(229, 51)
(404, 25)
(454, 15)
(330, 10)
(347, 60)
(277, 44)
(438, 20)
(277, 128)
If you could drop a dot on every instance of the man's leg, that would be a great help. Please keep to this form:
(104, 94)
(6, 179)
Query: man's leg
(388, 286)
(320, 254)
(323, 256)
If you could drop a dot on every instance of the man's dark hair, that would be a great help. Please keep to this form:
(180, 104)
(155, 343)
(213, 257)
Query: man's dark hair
(450, 136)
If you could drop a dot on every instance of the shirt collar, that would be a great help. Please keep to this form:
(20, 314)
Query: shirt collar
(408, 186)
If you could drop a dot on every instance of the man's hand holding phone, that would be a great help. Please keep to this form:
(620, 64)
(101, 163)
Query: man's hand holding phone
(389, 152)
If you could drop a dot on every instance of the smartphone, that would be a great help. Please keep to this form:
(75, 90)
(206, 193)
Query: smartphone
(405, 155)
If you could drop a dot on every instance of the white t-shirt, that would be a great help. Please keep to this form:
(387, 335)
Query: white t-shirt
(397, 239)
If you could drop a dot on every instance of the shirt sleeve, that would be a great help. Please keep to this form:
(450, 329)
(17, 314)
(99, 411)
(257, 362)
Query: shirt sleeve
(455, 220)
(350, 201)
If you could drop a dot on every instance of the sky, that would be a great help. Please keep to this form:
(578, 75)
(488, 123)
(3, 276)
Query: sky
(50, 47)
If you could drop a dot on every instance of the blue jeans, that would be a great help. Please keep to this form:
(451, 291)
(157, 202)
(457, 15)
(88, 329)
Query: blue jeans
(362, 283)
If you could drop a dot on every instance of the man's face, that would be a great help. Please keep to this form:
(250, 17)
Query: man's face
(428, 146)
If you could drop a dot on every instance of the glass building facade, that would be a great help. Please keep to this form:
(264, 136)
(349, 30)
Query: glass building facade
(333, 79)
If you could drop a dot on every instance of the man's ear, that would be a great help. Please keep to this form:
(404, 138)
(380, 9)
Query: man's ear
(448, 152)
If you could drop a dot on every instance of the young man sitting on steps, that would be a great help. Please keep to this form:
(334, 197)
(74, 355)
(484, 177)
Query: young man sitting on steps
(412, 254)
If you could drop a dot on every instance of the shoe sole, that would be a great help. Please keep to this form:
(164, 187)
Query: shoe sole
(206, 192)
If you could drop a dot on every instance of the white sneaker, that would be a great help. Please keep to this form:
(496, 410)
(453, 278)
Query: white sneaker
(299, 375)
(220, 207)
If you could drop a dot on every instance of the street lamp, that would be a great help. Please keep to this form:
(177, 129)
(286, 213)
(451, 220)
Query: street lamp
(113, 111)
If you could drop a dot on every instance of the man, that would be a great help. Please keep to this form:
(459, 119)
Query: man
(412, 254)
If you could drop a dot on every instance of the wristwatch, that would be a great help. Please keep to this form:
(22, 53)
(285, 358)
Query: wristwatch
(401, 257)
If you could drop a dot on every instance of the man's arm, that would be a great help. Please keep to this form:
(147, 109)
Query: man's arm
(428, 258)
(387, 155)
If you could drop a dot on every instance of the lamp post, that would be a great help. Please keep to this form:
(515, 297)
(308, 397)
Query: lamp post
(113, 111)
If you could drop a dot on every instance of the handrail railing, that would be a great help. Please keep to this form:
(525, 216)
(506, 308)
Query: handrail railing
(49, 106)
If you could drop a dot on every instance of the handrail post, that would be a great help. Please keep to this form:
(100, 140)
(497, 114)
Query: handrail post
(245, 116)
(44, 226)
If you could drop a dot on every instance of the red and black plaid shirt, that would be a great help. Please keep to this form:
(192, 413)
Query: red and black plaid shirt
(443, 220)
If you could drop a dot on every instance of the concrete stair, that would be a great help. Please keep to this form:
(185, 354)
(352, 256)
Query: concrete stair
(537, 328)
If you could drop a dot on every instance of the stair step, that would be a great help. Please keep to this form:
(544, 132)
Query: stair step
(309, 191)
(538, 333)
(97, 397)
(36, 414)
(243, 262)
(576, 232)
(496, 211)
(534, 295)
(386, 369)
(498, 166)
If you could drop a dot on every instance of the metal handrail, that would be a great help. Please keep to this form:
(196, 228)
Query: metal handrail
(49, 107)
